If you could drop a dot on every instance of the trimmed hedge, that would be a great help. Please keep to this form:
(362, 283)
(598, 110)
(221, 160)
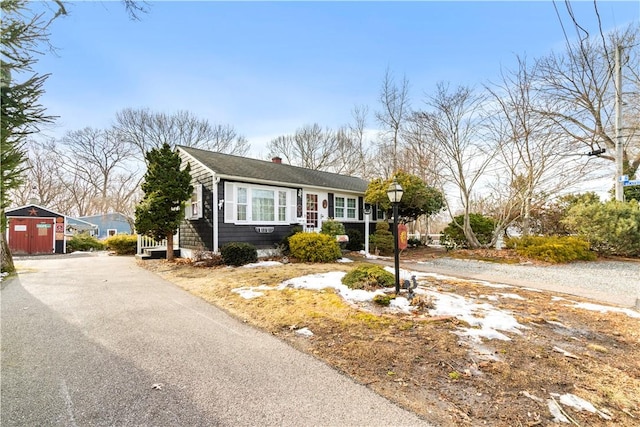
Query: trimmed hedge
(481, 225)
(84, 243)
(122, 244)
(553, 249)
(355, 242)
(314, 247)
(332, 228)
(382, 239)
(238, 253)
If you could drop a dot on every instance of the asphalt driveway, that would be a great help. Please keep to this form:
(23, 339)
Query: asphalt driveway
(96, 340)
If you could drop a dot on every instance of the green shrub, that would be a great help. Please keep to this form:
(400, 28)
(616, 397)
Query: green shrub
(611, 228)
(413, 242)
(332, 228)
(314, 247)
(283, 246)
(481, 225)
(122, 244)
(368, 276)
(355, 242)
(238, 253)
(383, 299)
(84, 243)
(382, 239)
(555, 249)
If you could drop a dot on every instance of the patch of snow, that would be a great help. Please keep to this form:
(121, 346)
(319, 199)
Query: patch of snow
(3, 275)
(531, 396)
(305, 332)
(553, 322)
(565, 352)
(401, 304)
(315, 281)
(330, 280)
(491, 284)
(606, 309)
(556, 412)
(485, 319)
(345, 260)
(580, 404)
(252, 292)
(513, 296)
(476, 334)
(262, 264)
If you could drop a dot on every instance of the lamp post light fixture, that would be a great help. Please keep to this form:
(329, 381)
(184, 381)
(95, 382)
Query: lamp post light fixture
(394, 192)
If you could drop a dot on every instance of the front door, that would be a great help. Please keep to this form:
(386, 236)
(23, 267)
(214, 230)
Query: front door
(312, 211)
(31, 235)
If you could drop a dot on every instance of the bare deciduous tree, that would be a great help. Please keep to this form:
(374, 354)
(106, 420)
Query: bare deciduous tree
(453, 121)
(579, 91)
(149, 130)
(395, 110)
(41, 184)
(310, 147)
(99, 158)
(538, 157)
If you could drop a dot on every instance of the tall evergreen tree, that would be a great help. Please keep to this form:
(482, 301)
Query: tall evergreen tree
(166, 187)
(22, 33)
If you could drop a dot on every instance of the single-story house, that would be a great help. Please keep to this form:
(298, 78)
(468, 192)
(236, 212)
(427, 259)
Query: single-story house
(238, 199)
(77, 226)
(110, 224)
(33, 229)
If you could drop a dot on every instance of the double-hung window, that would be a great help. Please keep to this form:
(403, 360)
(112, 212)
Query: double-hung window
(195, 203)
(345, 207)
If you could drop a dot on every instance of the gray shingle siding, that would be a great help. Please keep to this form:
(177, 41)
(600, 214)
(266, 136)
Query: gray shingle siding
(198, 234)
(247, 233)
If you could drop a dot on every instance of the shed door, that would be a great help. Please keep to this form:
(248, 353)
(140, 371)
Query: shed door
(31, 235)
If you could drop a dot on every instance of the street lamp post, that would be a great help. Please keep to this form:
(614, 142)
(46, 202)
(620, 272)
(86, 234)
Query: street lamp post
(394, 192)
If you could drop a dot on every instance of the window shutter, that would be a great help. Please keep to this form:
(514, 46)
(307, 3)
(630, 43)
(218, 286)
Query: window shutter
(199, 199)
(360, 208)
(187, 209)
(229, 202)
(292, 206)
(331, 212)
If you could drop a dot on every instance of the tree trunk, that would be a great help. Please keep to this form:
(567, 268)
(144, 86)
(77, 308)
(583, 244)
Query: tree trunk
(170, 247)
(5, 253)
(472, 240)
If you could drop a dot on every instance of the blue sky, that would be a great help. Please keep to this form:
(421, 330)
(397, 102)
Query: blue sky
(268, 68)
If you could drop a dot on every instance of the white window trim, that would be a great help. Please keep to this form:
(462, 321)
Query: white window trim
(345, 208)
(197, 191)
(231, 197)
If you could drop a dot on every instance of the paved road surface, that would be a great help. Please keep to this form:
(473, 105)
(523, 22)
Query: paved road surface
(608, 282)
(98, 341)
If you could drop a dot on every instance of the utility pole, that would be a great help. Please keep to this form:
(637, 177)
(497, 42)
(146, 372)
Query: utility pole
(618, 107)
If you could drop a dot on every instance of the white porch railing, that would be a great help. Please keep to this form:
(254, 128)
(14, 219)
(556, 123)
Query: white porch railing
(145, 242)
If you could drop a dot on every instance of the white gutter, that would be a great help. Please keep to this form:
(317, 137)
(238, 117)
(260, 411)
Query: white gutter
(216, 214)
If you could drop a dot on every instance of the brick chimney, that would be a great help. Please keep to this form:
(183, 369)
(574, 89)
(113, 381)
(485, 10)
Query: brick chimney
(276, 159)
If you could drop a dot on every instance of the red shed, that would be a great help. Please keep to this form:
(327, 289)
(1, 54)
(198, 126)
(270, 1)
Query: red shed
(33, 229)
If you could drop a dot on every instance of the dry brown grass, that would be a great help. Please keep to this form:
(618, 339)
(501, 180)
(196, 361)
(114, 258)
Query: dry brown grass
(419, 363)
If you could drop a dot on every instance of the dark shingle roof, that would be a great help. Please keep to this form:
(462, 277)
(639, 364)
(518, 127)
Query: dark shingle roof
(235, 167)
